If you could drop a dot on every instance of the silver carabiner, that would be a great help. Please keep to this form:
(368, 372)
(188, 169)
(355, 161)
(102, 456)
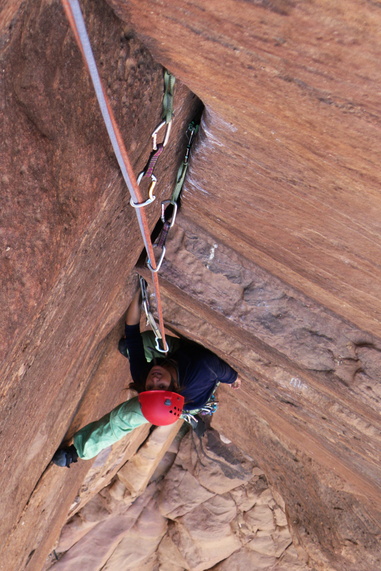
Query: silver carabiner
(174, 214)
(152, 323)
(147, 309)
(151, 196)
(158, 265)
(166, 136)
(158, 348)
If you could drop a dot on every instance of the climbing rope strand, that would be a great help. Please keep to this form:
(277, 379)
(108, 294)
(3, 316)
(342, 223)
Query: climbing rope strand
(76, 21)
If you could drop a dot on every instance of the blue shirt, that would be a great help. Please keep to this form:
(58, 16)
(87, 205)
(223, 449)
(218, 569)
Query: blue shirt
(199, 370)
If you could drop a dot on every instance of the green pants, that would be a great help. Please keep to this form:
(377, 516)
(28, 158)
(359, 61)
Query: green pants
(96, 436)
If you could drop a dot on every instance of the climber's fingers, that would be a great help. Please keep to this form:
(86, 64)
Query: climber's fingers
(236, 384)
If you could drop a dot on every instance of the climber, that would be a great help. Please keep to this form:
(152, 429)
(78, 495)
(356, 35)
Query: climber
(181, 384)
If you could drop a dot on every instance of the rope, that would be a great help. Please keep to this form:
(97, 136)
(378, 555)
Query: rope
(77, 24)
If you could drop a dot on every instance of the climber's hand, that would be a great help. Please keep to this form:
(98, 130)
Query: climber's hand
(236, 384)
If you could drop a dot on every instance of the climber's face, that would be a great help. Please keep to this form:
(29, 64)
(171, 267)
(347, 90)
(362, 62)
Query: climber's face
(158, 379)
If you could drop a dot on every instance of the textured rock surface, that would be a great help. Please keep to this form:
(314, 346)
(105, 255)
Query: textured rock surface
(312, 423)
(224, 515)
(69, 242)
(275, 263)
(289, 173)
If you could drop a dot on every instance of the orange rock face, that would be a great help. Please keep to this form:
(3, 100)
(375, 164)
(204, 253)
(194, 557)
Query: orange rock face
(70, 241)
(274, 263)
(212, 509)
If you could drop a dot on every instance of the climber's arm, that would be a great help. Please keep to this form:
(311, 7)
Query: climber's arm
(133, 311)
(226, 374)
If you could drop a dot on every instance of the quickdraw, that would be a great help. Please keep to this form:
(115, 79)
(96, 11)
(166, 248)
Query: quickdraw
(158, 148)
(169, 207)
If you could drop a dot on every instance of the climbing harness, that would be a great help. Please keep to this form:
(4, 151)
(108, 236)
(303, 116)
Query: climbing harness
(208, 409)
(194, 417)
(76, 21)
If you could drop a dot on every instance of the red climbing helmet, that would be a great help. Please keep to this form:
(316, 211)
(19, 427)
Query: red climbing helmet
(161, 407)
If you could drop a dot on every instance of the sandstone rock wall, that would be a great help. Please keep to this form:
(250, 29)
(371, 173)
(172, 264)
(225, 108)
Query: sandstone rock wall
(292, 178)
(69, 243)
(309, 406)
(212, 508)
(286, 176)
(274, 265)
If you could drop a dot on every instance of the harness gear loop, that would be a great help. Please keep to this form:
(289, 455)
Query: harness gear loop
(208, 408)
(195, 417)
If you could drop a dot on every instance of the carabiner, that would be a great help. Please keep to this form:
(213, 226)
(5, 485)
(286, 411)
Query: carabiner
(174, 214)
(158, 266)
(152, 323)
(192, 130)
(166, 136)
(158, 348)
(147, 308)
(150, 191)
(143, 289)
